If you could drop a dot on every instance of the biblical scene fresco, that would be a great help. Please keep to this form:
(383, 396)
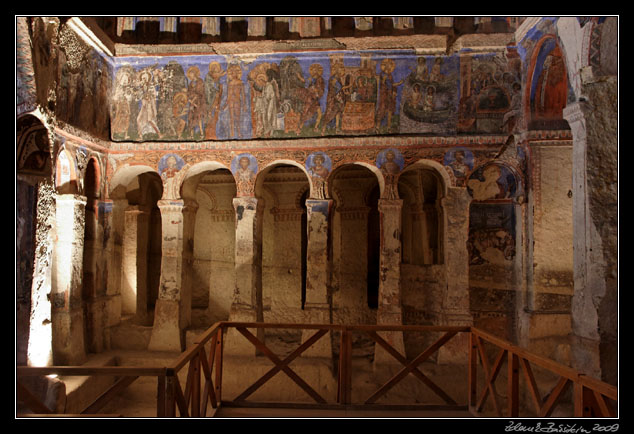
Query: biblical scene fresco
(313, 95)
(430, 104)
(491, 233)
(491, 94)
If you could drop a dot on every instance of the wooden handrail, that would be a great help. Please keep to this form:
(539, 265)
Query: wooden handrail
(589, 393)
(591, 396)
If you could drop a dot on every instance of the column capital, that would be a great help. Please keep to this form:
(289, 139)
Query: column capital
(248, 203)
(387, 205)
(71, 198)
(323, 206)
(171, 205)
(138, 209)
(577, 111)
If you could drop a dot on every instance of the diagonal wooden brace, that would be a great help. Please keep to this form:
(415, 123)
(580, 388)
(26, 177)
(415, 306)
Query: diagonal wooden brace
(282, 365)
(411, 366)
(417, 373)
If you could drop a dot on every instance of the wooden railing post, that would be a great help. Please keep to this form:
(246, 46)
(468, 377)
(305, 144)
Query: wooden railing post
(345, 371)
(513, 384)
(195, 406)
(170, 396)
(473, 372)
(218, 361)
(160, 396)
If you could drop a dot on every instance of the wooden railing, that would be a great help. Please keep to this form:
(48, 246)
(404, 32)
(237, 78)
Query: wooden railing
(201, 368)
(591, 397)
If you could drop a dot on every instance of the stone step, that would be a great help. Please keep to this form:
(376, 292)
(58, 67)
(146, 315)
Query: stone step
(83, 391)
(130, 336)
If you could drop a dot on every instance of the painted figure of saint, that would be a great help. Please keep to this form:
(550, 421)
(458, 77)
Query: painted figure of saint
(196, 100)
(121, 103)
(428, 104)
(552, 88)
(387, 93)
(179, 112)
(314, 92)
(171, 168)
(460, 165)
(270, 102)
(390, 169)
(213, 93)
(421, 72)
(245, 176)
(146, 119)
(335, 101)
(236, 101)
(318, 169)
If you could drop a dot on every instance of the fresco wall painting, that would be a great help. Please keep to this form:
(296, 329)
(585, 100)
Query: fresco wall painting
(311, 95)
(491, 246)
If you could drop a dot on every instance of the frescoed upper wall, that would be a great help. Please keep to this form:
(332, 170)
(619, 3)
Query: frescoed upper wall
(65, 75)
(210, 97)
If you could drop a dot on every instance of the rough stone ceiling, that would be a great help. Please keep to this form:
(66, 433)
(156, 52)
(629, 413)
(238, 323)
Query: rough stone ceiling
(224, 35)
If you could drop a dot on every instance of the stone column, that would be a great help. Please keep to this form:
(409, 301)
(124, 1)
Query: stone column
(134, 288)
(455, 304)
(94, 293)
(114, 223)
(545, 310)
(172, 312)
(111, 272)
(247, 297)
(40, 341)
(390, 309)
(67, 312)
(317, 307)
(595, 224)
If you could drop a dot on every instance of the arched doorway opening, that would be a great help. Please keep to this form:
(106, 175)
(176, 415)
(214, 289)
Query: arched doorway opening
(355, 250)
(284, 188)
(141, 252)
(213, 267)
(423, 273)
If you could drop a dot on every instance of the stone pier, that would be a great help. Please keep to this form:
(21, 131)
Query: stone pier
(247, 297)
(390, 308)
(173, 307)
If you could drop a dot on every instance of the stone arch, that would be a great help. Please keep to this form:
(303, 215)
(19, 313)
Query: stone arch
(66, 178)
(547, 86)
(92, 178)
(123, 176)
(299, 204)
(33, 147)
(193, 175)
(259, 180)
(371, 167)
(436, 167)
(425, 217)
